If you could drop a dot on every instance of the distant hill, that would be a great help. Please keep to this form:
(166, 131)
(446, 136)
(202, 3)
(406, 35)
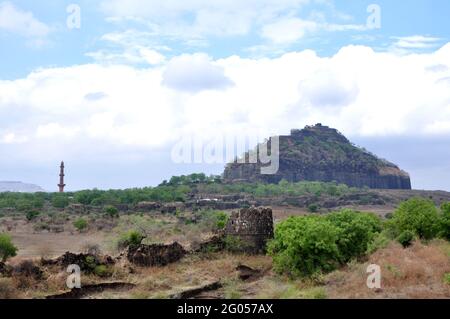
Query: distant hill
(320, 153)
(19, 187)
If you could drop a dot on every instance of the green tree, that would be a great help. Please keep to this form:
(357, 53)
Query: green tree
(60, 201)
(112, 211)
(303, 246)
(7, 248)
(445, 220)
(356, 232)
(80, 224)
(417, 215)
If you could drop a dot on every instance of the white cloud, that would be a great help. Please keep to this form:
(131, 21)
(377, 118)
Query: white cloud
(404, 45)
(195, 73)
(15, 20)
(195, 18)
(359, 91)
(288, 30)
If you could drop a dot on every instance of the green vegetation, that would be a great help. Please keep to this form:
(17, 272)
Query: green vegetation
(417, 215)
(80, 224)
(221, 220)
(102, 271)
(406, 238)
(313, 208)
(304, 246)
(356, 231)
(111, 211)
(130, 238)
(307, 245)
(32, 214)
(7, 248)
(445, 221)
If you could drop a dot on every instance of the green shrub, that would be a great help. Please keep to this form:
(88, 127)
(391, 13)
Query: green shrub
(380, 241)
(447, 278)
(80, 224)
(221, 220)
(305, 245)
(234, 244)
(417, 215)
(7, 248)
(445, 221)
(102, 271)
(356, 231)
(112, 211)
(32, 214)
(131, 238)
(60, 201)
(313, 208)
(406, 238)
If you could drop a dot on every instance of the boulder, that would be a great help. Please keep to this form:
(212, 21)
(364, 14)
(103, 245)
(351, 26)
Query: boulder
(155, 255)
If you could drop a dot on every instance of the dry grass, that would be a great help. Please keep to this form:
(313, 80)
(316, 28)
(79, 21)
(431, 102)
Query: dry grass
(416, 272)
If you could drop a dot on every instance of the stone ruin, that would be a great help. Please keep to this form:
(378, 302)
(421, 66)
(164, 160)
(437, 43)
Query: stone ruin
(252, 228)
(155, 255)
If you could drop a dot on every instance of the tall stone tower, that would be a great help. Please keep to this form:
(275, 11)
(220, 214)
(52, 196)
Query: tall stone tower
(61, 178)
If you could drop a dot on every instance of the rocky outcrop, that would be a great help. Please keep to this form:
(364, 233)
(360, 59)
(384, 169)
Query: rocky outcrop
(155, 255)
(250, 229)
(320, 153)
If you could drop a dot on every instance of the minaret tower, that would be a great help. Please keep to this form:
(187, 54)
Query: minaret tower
(61, 178)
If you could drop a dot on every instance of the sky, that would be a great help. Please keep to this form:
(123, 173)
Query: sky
(114, 87)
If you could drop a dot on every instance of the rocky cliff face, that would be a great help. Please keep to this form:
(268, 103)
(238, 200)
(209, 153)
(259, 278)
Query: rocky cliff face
(320, 153)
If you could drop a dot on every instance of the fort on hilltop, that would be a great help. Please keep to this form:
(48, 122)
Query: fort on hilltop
(320, 153)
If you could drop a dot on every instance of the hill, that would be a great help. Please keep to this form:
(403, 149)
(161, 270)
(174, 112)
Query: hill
(19, 187)
(320, 153)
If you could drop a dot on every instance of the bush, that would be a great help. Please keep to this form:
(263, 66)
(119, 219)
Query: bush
(60, 201)
(303, 246)
(313, 208)
(80, 224)
(356, 231)
(131, 238)
(445, 221)
(406, 238)
(102, 271)
(112, 211)
(7, 248)
(234, 244)
(221, 220)
(380, 241)
(417, 215)
(32, 214)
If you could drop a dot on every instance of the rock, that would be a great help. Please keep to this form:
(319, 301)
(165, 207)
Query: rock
(5, 270)
(86, 262)
(213, 244)
(148, 206)
(320, 153)
(251, 228)
(247, 273)
(155, 255)
(28, 269)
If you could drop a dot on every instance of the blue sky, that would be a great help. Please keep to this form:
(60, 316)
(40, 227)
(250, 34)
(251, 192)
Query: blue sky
(112, 97)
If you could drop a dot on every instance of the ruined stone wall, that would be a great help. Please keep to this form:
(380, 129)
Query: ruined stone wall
(253, 227)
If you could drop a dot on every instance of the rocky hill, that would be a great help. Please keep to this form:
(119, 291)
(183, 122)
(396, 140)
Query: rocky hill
(19, 187)
(320, 153)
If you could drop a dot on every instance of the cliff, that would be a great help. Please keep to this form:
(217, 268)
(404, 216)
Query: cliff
(320, 153)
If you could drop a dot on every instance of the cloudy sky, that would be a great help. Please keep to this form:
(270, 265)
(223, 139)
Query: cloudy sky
(112, 86)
